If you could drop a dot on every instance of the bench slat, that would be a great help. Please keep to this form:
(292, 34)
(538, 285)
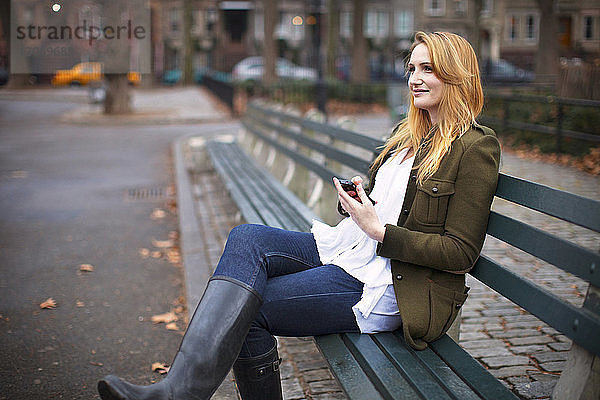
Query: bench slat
(292, 212)
(558, 252)
(387, 379)
(354, 138)
(352, 378)
(324, 173)
(325, 149)
(566, 206)
(405, 361)
(486, 385)
(441, 372)
(248, 211)
(255, 207)
(578, 324)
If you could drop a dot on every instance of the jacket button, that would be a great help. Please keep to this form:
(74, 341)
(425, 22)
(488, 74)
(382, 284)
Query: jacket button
(434, 190)
(399, 277)
(414, 177)
(405, 211)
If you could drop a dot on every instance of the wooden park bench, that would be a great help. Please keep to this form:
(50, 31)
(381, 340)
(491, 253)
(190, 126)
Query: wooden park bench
(284, 176)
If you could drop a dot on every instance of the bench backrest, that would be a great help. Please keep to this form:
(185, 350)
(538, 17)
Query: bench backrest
(581, 324)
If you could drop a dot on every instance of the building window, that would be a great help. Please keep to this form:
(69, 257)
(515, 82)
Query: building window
(513, 28)
(435, 8)
(461, 7)
(403, 23)
(346, 24)
(531, 27)
(376, 24)
(588, 27)
(522, 28)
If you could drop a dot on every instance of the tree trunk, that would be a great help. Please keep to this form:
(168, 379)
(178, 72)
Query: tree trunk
(116, 66)
(360, 68)
(547, 56)
(333, 35)
(269, 56)
(117, 100)
(188, 69)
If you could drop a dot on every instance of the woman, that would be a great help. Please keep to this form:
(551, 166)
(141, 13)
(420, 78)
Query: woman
(400, 262)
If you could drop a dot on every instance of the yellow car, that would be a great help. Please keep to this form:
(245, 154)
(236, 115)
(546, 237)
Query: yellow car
(84, 73)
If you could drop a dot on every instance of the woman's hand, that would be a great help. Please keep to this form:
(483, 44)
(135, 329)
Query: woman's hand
(363, 214)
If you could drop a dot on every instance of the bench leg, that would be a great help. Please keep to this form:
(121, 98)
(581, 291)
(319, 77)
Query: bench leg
(580, 379)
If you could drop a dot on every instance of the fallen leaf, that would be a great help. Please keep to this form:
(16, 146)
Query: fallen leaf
(158, 214)
(97, 364)
(178, 309)
(160, 368)
(50, 304)
(164, 318)
(86, 268)
(80, 303)
(144, 252)
(172, 326)
(174, 256)
(163, 244)
(156, 254)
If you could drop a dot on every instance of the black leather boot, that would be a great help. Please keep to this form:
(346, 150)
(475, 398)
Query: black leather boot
(257, 378)
(210, 346)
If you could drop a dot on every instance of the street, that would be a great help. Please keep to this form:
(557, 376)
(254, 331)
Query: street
(73, 195)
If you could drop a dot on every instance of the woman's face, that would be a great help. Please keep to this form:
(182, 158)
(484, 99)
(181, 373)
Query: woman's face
(424, 86)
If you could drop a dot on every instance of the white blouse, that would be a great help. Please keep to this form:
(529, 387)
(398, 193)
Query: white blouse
(348, 247)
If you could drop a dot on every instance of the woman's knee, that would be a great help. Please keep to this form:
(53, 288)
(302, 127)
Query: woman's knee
(245, 232)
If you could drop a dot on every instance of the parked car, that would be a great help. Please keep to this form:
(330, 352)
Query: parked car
(172, 76)
(252, 68)
(502, 71)
(84, 73)
(378, 71)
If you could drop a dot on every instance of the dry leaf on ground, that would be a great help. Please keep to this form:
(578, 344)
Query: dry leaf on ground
(80, 303)
(144, 252)
(50, 304)
(160, 368)
(174, 255)
(158, 214)
(164, 318)
(172, 326)
(86, 268)
(162, 244)
(156, 254)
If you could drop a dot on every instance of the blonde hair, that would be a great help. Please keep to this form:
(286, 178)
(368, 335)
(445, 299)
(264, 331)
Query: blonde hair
(453, 62)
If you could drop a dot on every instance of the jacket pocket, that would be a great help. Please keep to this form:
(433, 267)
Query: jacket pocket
(431, 202)
(444, 305)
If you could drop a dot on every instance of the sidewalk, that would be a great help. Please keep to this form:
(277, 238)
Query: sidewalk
(156, 106)
(522, 351)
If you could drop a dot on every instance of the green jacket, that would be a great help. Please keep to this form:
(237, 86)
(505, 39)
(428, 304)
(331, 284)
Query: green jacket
(440, 233)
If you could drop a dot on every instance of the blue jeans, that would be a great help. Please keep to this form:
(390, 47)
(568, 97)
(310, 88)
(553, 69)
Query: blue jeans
(301, 296)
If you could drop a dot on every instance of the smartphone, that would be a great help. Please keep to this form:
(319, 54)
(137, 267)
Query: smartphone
(349, 186)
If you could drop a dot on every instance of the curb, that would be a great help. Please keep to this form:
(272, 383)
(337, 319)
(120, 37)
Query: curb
(196, 271)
